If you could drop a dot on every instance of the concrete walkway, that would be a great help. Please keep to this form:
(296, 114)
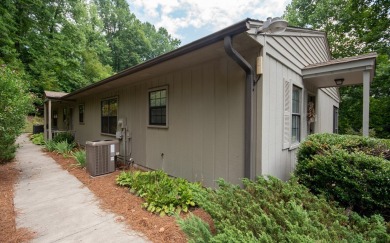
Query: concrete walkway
(57, 206)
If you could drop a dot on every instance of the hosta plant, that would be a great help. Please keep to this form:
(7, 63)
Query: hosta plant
(163, 195)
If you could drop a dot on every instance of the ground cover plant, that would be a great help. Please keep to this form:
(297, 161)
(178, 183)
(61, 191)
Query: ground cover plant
(353, 170)
(269, 210)
(163, 194)
(37, 139)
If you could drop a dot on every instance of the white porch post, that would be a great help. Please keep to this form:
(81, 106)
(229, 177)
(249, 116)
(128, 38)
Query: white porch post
(366, 102)
(49, 120)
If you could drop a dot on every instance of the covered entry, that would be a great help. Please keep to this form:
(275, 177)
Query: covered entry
(58, 114)
(345, 72)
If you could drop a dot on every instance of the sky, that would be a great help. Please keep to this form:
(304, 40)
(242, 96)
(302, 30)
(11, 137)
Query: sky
(189, 20)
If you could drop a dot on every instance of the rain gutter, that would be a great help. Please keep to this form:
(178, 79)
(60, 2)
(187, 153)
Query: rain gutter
(249, 166)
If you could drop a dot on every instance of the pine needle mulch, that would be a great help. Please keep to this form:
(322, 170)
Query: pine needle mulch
(8, 231)
(126, 206)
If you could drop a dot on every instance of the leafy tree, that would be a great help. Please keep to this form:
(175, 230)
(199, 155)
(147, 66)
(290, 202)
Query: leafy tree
(353, 27)
(14, 106)
(63, 45)
(159, 41)
(131, 41)
(8, 52)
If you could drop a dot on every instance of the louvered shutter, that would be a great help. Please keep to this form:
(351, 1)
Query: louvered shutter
(286, 113)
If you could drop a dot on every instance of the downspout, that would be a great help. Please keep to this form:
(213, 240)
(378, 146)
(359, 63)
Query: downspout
(249, 166)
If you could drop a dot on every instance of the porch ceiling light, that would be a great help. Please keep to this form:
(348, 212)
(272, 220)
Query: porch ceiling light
(339, 81)
(273, 25)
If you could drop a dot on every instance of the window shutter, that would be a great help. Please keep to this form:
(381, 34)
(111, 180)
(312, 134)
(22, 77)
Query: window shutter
(286, 114)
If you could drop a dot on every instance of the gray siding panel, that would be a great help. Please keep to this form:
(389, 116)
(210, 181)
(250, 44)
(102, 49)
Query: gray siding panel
(205, 137)
(276, 161)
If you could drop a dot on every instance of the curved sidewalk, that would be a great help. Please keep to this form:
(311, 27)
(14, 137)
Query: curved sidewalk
(57, 206)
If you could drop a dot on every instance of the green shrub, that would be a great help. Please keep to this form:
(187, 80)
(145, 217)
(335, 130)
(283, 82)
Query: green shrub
(353, 170)
(50, 145)
(64, 136)
(38, 139)
(269, 210)
(14, 106)
(196, 229)
(162, 194)
(64, 148)
(80, 157)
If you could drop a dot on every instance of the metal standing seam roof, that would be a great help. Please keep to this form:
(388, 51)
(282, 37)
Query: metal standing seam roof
(342, 60)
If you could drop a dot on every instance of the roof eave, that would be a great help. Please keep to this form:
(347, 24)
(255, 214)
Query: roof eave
(235, 29)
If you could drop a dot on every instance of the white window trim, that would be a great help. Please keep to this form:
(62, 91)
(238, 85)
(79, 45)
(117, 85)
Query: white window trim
(287, 143)
(295, 144)
(164, 87)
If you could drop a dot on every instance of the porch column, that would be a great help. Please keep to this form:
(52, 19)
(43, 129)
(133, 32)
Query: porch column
(49, 120)
(366, 102)
(45, 120)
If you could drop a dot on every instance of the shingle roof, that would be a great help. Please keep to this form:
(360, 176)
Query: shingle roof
(342, 60)
(54, 95)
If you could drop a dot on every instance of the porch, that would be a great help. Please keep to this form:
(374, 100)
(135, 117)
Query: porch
(357, 70)
(58, 115)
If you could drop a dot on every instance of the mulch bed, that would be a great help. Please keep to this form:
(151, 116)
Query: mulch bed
(127, 206)
(8, 231)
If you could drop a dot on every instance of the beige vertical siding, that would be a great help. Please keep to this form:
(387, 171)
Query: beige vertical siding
(275, 160)
(325, 111)
(284, 58)
(205, 138)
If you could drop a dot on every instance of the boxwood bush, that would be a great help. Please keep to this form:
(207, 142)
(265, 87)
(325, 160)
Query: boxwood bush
(353, 170)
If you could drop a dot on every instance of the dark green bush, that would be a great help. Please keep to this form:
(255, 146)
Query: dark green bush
(64, 136)
(14, 106)
(353, 170)
(162, 194)
(269, 210)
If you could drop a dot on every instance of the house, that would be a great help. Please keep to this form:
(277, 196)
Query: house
(233, 104)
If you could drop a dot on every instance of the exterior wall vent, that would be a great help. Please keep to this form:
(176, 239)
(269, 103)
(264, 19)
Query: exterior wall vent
(101, 156)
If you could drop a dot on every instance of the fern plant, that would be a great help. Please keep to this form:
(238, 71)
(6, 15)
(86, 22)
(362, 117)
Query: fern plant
(80, 157)
(50, 145)
(64, 148)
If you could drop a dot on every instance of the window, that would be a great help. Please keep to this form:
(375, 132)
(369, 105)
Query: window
(109, 115)
(296, 115)
(158, 100)
(81, 114)
(65, 113)
(335, 119)
(55, 118)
